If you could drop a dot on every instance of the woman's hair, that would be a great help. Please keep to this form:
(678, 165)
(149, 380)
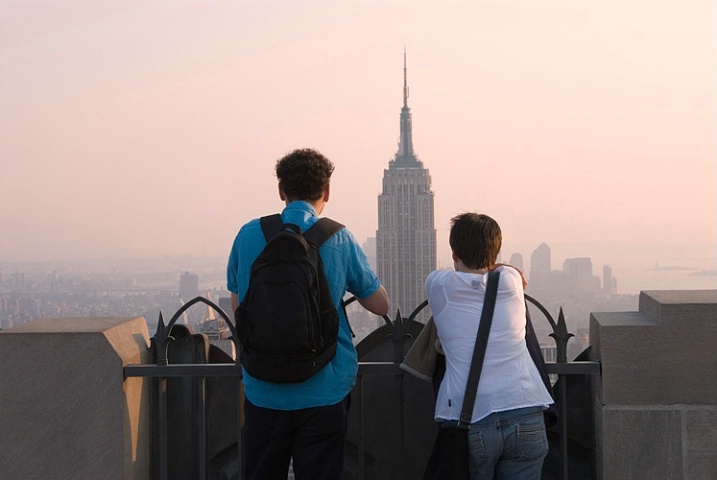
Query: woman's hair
(304, 174)
(476, 239)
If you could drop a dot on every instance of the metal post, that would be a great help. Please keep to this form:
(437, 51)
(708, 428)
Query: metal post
(202, 427)
(162, 426)
(240, 453)
(362, 439)
(562, 385)
(401, 427)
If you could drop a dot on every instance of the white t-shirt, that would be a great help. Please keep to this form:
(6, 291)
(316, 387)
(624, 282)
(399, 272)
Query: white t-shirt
(509, 378)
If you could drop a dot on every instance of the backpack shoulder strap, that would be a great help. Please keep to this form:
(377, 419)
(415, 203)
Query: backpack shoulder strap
(271, 225)
(316, 235)
(321, 231)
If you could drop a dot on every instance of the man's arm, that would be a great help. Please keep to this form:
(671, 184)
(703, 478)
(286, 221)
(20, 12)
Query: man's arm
(235, 302)
(377, 302)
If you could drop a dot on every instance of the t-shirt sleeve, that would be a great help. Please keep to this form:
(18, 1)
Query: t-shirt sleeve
(434, 294)
(430, 280)
(248, 243)
(511, 282)
(233, 266)
(361, 280)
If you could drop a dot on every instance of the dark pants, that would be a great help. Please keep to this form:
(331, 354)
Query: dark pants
(313, 437)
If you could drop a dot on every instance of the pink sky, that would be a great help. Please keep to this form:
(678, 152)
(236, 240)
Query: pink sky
(133, 128)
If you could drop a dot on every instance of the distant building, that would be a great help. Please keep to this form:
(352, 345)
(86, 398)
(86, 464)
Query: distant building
(540, 267)
(369, 248)
(550, 352)
(217, 331)
(406, 235)
(188, 286)
(579, 269)
(517, 261)
(580, 274)
(17, 280)
(609, 283)
(53, 281)
(576, 277)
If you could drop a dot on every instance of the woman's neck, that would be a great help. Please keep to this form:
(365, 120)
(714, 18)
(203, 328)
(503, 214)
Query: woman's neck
(459, 266)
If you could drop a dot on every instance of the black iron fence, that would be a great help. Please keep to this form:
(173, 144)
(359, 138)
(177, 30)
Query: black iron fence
(196, 398)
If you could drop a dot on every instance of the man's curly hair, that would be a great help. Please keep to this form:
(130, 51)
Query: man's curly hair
(304, 174)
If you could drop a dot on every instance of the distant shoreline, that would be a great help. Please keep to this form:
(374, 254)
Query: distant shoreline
(670, 269)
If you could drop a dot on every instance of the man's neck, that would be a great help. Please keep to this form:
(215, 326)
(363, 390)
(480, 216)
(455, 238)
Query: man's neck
(317, 204)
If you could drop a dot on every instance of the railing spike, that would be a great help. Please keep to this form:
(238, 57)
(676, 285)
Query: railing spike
(561, 336)
(160, 341)
(161, 327)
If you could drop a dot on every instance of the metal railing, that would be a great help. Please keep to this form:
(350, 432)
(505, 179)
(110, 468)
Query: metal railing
(399, 331)
(161, 371)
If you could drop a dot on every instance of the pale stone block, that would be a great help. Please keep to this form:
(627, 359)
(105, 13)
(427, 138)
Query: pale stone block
(701, 433)
(679, 307)
(656, 403)
(66, 411)
(664, 354)
(639, 444)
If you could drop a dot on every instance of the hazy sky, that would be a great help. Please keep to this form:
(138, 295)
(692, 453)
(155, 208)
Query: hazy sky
(132, 128)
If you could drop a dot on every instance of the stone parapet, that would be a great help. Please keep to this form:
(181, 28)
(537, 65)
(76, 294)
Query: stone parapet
(664, 354)
(66, 411)
(656, 400)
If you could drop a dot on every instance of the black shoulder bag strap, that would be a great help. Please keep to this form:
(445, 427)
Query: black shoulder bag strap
(486, 319)
(531, 341)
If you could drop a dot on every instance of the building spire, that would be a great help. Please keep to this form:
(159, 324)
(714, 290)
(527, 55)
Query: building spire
(405, 79)
(405, 157)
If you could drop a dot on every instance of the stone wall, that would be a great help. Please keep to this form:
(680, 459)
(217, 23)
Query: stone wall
(66, 411)
(656, 400)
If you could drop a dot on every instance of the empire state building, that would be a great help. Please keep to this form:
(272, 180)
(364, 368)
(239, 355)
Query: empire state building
(406, 235)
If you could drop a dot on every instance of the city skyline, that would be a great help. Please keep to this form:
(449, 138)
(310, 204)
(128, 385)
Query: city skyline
(131, 130)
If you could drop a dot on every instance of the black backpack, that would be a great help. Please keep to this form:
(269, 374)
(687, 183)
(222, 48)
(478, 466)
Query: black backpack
(287, 324)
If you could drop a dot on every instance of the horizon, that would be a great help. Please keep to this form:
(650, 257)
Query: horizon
(655, 266)
(144, 130)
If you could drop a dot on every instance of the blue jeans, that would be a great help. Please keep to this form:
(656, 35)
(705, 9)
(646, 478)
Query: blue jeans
(508, 445)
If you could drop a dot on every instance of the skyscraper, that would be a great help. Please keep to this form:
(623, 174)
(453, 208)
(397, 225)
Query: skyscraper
(517, 261)
(188, 286)
(609, 283)
(406, 235)
(540, 267)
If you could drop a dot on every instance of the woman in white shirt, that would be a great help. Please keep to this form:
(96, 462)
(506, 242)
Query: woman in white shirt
(507, 433)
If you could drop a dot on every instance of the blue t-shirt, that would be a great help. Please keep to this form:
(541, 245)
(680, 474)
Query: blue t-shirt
(347, 269)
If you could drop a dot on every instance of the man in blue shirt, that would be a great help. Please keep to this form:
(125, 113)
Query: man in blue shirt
(308, 420)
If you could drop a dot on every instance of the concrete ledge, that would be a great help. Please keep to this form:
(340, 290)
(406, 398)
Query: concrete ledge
(700, 432)
(66, 411)
(678, 307)
(668, 442)
(656, 402)
(664, 354)
(637, 460)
